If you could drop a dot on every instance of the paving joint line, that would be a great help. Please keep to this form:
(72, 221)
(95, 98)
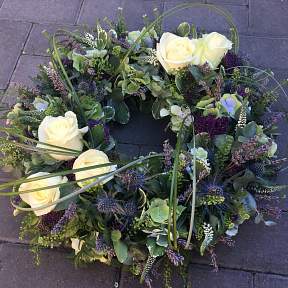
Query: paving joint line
(243, 270)
(21, 53)
(79, 12)
(26, 244)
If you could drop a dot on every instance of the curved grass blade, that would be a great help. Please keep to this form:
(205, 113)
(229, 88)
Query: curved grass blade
(85, 188)
(10, 132)
(193, 202)
(60, 173)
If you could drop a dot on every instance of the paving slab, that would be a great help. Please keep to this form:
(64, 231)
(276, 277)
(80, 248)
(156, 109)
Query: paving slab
(37, 43)
(56, 270)
(270, 281)
(27, 68)
(157, 280)
(41, 11)
(268, 52)
(10, 47)
(9, 225)
(138, 9)
(269, 17)
(128, 150)
(142, 129)
(91, 10)
(203, 277)
(207, 19)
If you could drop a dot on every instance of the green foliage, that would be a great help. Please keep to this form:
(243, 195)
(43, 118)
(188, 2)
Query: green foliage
(223, 145)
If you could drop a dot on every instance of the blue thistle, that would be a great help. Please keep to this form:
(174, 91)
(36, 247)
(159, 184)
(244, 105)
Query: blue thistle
(133, 179)
(107, 205)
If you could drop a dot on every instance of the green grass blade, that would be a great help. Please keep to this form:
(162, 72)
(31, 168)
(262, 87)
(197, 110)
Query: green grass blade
(85, 188)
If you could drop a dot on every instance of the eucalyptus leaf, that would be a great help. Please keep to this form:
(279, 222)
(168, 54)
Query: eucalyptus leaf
(153, 248)
(183, 29)
(121, 250)
(122, 113)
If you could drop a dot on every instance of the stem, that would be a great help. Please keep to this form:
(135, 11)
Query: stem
(173, 191)
(192, 216)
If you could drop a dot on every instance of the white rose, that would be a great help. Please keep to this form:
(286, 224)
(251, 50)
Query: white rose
(175, 52)
(88, 158)
(77, 244)
(211, 48)
(63, 132)
(42, 197)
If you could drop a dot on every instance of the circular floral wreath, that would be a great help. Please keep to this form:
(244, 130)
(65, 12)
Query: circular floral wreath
(78, 191)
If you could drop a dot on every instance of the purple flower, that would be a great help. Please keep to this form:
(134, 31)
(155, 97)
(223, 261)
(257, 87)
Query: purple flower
(92, 123)
(211, 125)
(175, 258)
(133, 179)
(107, 204)
(70, 212)
(231, 60)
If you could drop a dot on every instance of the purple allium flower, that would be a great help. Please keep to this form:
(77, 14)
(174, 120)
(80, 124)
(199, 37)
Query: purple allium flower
(211, 125)
(70, 212)
(133, 179)
(107, 204)
(48, 221)
(231, 60)
(175, 258)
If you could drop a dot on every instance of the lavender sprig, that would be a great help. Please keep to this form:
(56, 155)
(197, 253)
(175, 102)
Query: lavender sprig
(70, 212)
(175, 258)
(168, 151)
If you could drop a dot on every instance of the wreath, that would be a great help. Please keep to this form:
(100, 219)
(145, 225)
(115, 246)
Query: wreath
(76, 189)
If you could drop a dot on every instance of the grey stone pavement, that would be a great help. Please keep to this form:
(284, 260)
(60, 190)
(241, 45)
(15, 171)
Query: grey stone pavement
(260, 258)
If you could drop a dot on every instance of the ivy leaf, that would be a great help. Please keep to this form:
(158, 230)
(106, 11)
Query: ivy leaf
(121, 251)
(120, 247)
(153, 248)
(122, 113)
(196, 73)
(159, 213)
(109, 113)
(156, 107)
